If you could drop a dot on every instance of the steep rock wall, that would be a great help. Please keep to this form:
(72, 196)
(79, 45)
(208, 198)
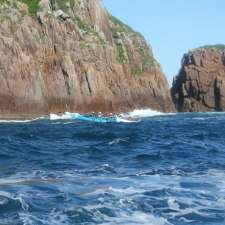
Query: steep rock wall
(200, 84)
(73, 56)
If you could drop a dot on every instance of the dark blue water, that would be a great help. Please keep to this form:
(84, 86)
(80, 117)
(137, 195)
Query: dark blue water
(162, 170)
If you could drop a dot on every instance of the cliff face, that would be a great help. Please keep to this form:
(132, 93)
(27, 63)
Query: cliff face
(200, 84)
(71, 55)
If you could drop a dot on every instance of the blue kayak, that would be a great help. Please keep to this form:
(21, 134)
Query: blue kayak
(95, 119)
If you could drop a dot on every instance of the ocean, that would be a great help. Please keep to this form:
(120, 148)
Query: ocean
(146, 168)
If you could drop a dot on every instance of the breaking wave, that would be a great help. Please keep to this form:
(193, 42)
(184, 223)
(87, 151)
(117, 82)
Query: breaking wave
(143, 113)
(129, 117)
(22, 121)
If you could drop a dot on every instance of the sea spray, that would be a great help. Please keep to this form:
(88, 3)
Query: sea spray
(128, 117)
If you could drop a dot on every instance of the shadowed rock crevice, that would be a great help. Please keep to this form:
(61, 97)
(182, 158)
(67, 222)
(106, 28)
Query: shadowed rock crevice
(66, 79)
(217, 94)
(88, 84)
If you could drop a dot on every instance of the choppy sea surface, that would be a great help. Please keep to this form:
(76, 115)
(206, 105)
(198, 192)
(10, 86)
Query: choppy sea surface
(161, 169)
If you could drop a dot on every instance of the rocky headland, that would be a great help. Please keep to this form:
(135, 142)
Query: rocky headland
(72, 55)
(200, 84)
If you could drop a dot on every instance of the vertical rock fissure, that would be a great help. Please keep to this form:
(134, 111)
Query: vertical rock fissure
(88, 84)
(217, 96)
(66, 79)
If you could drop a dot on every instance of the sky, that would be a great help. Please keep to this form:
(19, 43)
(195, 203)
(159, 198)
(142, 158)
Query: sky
(172, 27)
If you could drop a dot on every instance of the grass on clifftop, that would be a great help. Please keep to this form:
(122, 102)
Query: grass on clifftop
(33, 5)
(88, 29)
(120, 27)
(218, 46)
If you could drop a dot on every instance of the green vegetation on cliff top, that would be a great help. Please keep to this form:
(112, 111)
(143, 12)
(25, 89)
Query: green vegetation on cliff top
(218, 46)
(117, 28)
(33, 5)
(120, 27)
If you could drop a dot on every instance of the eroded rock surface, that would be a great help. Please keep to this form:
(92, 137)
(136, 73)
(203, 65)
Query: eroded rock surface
(200, 84)
(74, 56)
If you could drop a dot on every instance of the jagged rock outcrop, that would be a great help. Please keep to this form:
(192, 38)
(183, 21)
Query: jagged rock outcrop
(200, 84)
(71, 55)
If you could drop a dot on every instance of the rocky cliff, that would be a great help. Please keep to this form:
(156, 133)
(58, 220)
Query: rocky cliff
(72, 55)
(200, 84)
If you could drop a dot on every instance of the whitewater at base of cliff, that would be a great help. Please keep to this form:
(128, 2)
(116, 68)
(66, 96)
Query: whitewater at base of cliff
(165, 169)
(128, 117)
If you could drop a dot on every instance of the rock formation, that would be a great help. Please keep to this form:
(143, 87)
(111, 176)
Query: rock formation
(72, 55)
(200, 84)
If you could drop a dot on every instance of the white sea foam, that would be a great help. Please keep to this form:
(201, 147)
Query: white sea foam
(129, 117)
(70, 116)
(141, 113)
(118, 140)
(126, 117)
(202, 118)
(136, 218)
(173, 204)
(19, 198)
(119, 119)
(54, 218)
(65, 116)
(179, 202)
(27, 181)
(21, 121)
(144, 113)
